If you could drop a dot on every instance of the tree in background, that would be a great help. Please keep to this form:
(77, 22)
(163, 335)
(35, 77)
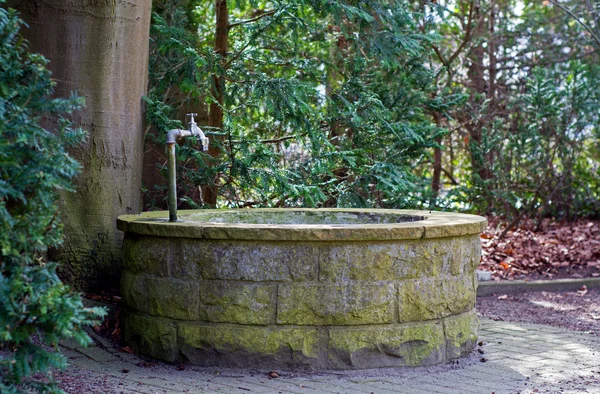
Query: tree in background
(476, 105)
(36, 309)
(99, 48)
(525, 143)
(309, 103)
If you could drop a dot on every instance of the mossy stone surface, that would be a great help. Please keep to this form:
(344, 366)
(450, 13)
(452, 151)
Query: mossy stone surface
(336, 304)
(461, 334)
(134, 291)
(252, 261)
(146, 255)
(244, 346)
(293, 295)
(235, 302)
(434, 225)
(151, 336)
(434, 298)
(173, 298)
(386, 346)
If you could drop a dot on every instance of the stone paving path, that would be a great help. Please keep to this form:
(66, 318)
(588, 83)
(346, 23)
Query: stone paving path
(520, 358)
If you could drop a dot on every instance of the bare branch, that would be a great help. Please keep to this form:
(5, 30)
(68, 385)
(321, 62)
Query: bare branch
(572, 14)
(244, 22)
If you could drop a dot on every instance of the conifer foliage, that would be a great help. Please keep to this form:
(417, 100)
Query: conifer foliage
(36, 309)
(310, 103)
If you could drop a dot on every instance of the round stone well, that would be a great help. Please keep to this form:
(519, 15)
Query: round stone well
(301, 288)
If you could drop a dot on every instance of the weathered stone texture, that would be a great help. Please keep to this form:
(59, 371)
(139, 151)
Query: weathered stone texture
(146, 255)
(461, 334)
(154, 337)
(253, 261)
(391, 346)
(172, 298)
(235, 302)
(319, 301)
(338, 304)
(434, 298)
(243, 346)
(133, 289)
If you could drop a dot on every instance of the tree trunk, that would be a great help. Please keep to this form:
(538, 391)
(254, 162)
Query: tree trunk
(437, 165)
(215, 114)
(99, 49)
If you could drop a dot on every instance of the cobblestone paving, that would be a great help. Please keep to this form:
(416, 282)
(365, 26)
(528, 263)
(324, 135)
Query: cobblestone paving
(516, 358)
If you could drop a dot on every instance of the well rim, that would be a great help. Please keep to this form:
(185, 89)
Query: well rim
(435, 225)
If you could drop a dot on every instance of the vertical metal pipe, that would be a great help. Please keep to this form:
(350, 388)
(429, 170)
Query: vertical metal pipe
(172, 182)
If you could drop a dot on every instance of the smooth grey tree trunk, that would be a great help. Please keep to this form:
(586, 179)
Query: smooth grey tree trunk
(99, 49)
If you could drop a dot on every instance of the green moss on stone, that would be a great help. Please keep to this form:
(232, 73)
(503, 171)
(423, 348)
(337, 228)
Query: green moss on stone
(252, 261)
(133, 289)
(326, 303)
(147, 255)
(461, 334)
(434, 298)
(460, 293)
(168, 297)
(420, 344)
(285, 345)
(234, 302)
(153, 337)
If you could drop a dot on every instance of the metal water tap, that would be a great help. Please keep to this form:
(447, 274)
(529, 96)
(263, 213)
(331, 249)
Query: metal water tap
(172, 137)
(197, 132)
(193, 130)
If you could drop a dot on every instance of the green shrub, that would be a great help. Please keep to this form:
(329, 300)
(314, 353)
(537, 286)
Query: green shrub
(36, 309)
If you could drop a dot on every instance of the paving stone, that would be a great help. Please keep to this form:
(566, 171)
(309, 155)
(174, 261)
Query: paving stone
(549, 361)
(97, 354)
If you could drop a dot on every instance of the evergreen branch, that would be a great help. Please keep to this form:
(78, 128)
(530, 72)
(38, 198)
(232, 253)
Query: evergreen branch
(244, 22)
(247, 44)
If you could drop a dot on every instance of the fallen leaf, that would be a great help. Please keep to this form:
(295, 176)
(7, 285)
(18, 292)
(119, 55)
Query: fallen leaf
(127, 349)
(505, 266)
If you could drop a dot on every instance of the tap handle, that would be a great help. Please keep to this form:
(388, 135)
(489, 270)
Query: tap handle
(191, 115)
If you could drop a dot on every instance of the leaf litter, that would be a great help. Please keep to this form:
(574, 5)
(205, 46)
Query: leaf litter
(554, 250)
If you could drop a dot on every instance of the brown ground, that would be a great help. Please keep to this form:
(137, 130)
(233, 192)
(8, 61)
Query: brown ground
(554, 250)
(578, 311)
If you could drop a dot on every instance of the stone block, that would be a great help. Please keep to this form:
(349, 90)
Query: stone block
(177, 299)
(461, 334)
(147, 255)
(228, 345)
(151, 336)
(235, 302)
(379, 261)
(252, 261)
(329, 303)
(386, 346)
(133, 290)
(460, 293)
(434, 298)
(188, 257)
